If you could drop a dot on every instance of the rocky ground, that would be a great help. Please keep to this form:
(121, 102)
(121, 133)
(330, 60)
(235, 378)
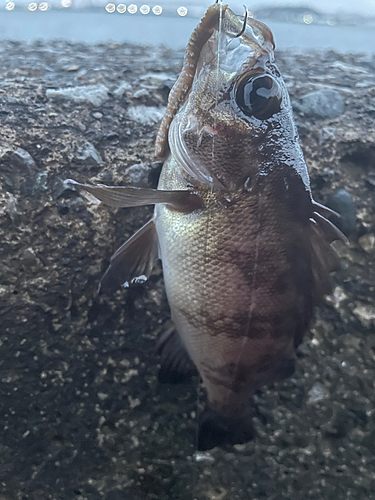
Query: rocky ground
(82, 413)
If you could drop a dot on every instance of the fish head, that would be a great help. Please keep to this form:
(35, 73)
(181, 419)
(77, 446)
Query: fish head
(237, 116)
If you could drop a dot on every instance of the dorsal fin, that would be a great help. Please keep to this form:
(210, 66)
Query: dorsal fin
(182, 87)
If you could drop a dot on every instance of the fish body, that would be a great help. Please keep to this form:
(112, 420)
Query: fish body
(245, 249)
(239, 272)
(239, 283)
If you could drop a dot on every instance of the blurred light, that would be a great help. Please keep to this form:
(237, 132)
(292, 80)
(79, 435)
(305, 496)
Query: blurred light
(121, 8)
(145, 9)
(182, 11)
(44, 6)
(110, 7)
(66, 3)
(157, 10)
(331, 22)
(32, 6)
(10, 6)
(308, 18)
(132, 9)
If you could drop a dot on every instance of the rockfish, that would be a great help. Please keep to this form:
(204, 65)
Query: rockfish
(246, 251)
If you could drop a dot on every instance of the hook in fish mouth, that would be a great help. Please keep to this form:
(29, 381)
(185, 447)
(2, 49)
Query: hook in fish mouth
(244, 23)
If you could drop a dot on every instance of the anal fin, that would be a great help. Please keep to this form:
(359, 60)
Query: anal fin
(133, 261)
(176, 365)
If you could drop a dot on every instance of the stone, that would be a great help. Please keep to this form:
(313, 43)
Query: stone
(324, 103)
(24, 158)
(41, 181)
(146, 115)
(94, 94)
(140, 93)
(365, 313)
(138, 174)
(367, 242)
(341, 201)
(88, 153)
(317, 393)
(121, 89)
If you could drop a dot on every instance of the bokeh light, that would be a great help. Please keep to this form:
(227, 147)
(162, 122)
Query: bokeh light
(32, 6)
(66, 3)
(110, 7)
(132, 9)
(182, 11)
(121, 8)
(157, 10)
(308, 18)
(145, 9)
(10, 6)
(43, 6)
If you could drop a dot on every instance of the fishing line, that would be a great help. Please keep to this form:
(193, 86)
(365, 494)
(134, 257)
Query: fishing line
(204, 287)
(219, 47)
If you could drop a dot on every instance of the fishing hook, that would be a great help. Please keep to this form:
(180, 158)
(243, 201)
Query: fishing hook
(244, 23)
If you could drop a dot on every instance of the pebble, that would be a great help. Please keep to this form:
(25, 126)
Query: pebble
(204, 457)
(367, 242)
(146, 115)
(317, 393)
(121, 89)
(94, 94)
(365, 313)
(165, 87)
(140, 93)
(12, 209)
(97, 115)
(157, 78)
(24, 159)
(138, 174)
(28, 256)
(41, 181)
(342, 202)
(324, 103)
(88, 152)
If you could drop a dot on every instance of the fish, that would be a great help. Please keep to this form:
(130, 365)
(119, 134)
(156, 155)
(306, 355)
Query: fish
(246, 250)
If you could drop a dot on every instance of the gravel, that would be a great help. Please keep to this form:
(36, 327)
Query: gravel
(323, 103)
(83, 416)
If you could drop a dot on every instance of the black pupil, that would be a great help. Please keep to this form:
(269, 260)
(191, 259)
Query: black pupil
(259, 97)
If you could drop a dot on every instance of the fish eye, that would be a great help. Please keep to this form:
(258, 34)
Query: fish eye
(258, 96)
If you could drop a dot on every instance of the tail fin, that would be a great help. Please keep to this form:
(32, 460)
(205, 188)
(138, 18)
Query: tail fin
(216, 430)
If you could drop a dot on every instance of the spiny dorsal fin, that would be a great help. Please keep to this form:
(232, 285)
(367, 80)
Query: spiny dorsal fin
(184, 82)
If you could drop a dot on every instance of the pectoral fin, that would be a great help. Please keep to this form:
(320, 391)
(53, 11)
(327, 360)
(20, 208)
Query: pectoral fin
(133, 261)
(129, 196)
